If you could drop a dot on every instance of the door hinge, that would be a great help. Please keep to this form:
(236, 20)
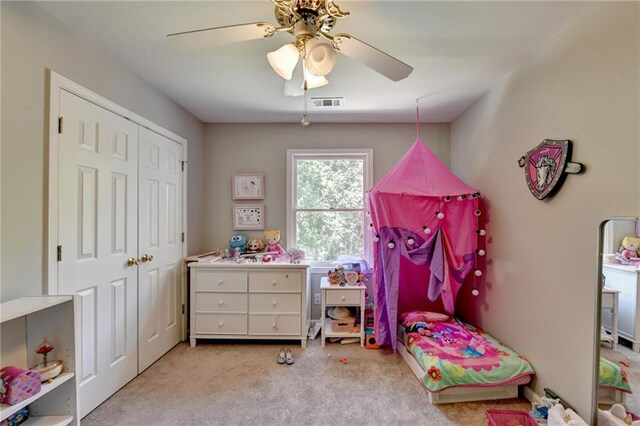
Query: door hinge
(183, 309)
(59, 253)
(60, 124)
(183, 237)
(183, 163)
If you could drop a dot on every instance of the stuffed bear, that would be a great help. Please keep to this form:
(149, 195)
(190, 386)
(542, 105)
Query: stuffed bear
(237, 244)
(273, 242)
(629, 249)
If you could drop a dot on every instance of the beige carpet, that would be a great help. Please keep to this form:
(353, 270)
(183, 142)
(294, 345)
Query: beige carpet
(240, 383)
(633, 372)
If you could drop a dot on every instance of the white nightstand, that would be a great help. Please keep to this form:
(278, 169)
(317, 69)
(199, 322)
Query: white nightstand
(335, 295)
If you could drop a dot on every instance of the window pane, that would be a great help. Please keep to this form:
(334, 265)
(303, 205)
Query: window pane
(326, 235)
(322, 184)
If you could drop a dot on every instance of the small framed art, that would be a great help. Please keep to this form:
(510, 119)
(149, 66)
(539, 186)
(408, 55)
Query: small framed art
(248, 216)
(248, 186)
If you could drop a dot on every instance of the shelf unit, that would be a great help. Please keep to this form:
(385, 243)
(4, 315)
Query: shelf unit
(334, 295)
(23, 323)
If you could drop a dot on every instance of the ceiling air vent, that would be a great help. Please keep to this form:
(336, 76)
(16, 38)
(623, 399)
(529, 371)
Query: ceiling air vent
(327, 102)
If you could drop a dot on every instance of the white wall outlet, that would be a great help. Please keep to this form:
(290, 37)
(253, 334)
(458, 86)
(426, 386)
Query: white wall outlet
(316, 298)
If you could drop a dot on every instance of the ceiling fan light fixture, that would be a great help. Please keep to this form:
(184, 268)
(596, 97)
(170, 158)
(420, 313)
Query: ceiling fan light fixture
(312, 81)
(320, 57)
(284, 60)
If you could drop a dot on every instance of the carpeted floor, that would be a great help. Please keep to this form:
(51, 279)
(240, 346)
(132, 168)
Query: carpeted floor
(625, 354)
(240, 383)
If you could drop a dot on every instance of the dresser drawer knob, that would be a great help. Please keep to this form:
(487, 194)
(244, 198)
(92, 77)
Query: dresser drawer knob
(274, 303)
(221, 323)
(275, 325)
(343, 299)
(220, 282)
(220, 303)
(274, 282)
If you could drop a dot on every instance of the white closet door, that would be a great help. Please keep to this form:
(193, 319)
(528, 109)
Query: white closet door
(160, 278)
(98, 232)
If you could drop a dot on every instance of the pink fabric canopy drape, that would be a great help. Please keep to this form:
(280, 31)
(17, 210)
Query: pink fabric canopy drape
(424, 222)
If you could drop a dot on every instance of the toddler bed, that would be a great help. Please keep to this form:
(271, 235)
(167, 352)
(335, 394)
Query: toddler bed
(457, 362)
(613, 384)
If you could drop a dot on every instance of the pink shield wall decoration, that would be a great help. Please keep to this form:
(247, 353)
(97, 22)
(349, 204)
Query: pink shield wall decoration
(545, 165)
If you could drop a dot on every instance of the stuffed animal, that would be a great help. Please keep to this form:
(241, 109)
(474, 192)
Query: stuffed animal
(255, 245)
(273, 241)
(237, 244)
(629, 249)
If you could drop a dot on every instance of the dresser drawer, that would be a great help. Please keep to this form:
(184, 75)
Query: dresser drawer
(275, 281)
(288, 325)
(343, 297)
(221, 302)
(221, 324)
(226, 281)
(274, 303)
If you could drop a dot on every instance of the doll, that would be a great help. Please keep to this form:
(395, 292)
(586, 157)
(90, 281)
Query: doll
(255, 245)
(273, 242)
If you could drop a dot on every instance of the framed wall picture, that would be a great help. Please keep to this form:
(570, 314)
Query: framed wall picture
(248, 216)
(248, 186)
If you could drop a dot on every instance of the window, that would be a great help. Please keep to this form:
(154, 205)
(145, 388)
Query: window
(326, 205)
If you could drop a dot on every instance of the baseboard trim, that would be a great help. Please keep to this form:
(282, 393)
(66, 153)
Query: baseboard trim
(530, 395)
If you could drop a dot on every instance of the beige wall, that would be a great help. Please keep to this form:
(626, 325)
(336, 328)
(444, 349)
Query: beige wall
(231, 148)
(31, 42)
(540, 291)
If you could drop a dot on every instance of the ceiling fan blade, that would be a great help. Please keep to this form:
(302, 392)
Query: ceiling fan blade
(370, 56)
(230, 33)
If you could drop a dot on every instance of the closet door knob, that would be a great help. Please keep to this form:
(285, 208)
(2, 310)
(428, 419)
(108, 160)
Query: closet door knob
(146, 258)
(132, 261)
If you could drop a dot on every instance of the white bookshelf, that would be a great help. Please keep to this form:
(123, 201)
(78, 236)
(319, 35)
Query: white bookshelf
(23, 323)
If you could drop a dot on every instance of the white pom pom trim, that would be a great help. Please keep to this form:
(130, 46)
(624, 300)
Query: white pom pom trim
(478, 273)
(391, 244)
(475, 292)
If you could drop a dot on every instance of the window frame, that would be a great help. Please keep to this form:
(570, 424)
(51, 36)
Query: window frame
(365, 154)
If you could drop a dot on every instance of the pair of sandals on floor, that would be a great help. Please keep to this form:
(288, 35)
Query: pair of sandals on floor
(285, 357)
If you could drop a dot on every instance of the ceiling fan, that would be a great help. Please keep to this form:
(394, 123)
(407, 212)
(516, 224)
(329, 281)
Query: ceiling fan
(308, 21)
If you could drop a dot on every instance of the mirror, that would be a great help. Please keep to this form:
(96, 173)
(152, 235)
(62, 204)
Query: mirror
(617, 367)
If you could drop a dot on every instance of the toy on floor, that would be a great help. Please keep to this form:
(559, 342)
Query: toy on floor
(617, 415)
(237, 244)
(273, 242)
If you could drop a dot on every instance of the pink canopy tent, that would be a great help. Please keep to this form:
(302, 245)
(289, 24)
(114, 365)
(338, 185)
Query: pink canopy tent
(425, 226)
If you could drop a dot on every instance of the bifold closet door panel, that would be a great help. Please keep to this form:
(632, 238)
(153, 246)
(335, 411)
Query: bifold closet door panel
(97, 233)
(160, 246)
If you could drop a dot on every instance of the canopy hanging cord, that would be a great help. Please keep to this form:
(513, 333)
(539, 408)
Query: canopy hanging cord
(418, 113)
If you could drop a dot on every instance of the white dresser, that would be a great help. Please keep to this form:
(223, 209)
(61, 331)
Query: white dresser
(249, 301)
(625, 279)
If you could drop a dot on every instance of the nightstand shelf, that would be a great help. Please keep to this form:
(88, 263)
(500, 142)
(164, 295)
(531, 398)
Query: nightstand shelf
(347, 296)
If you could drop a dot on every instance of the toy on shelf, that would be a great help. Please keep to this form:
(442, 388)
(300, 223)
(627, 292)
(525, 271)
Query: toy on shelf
(296, 255)
(628, 253)
(48, 367)
(273, 242)
(255, 245)
(17, 384)
(340, 276)
(237, 244)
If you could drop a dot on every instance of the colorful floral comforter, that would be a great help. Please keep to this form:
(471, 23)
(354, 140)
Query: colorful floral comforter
(611, 376)
(453, 353)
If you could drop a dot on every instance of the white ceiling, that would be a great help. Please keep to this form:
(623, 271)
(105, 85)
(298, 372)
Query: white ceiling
(458, 50)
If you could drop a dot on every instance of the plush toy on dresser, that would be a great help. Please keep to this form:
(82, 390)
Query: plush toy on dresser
(273, 242)
(237, 244)
(628, 253)
(255, 245)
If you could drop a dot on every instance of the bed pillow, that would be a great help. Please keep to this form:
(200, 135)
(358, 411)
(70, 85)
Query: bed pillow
(410, 318)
